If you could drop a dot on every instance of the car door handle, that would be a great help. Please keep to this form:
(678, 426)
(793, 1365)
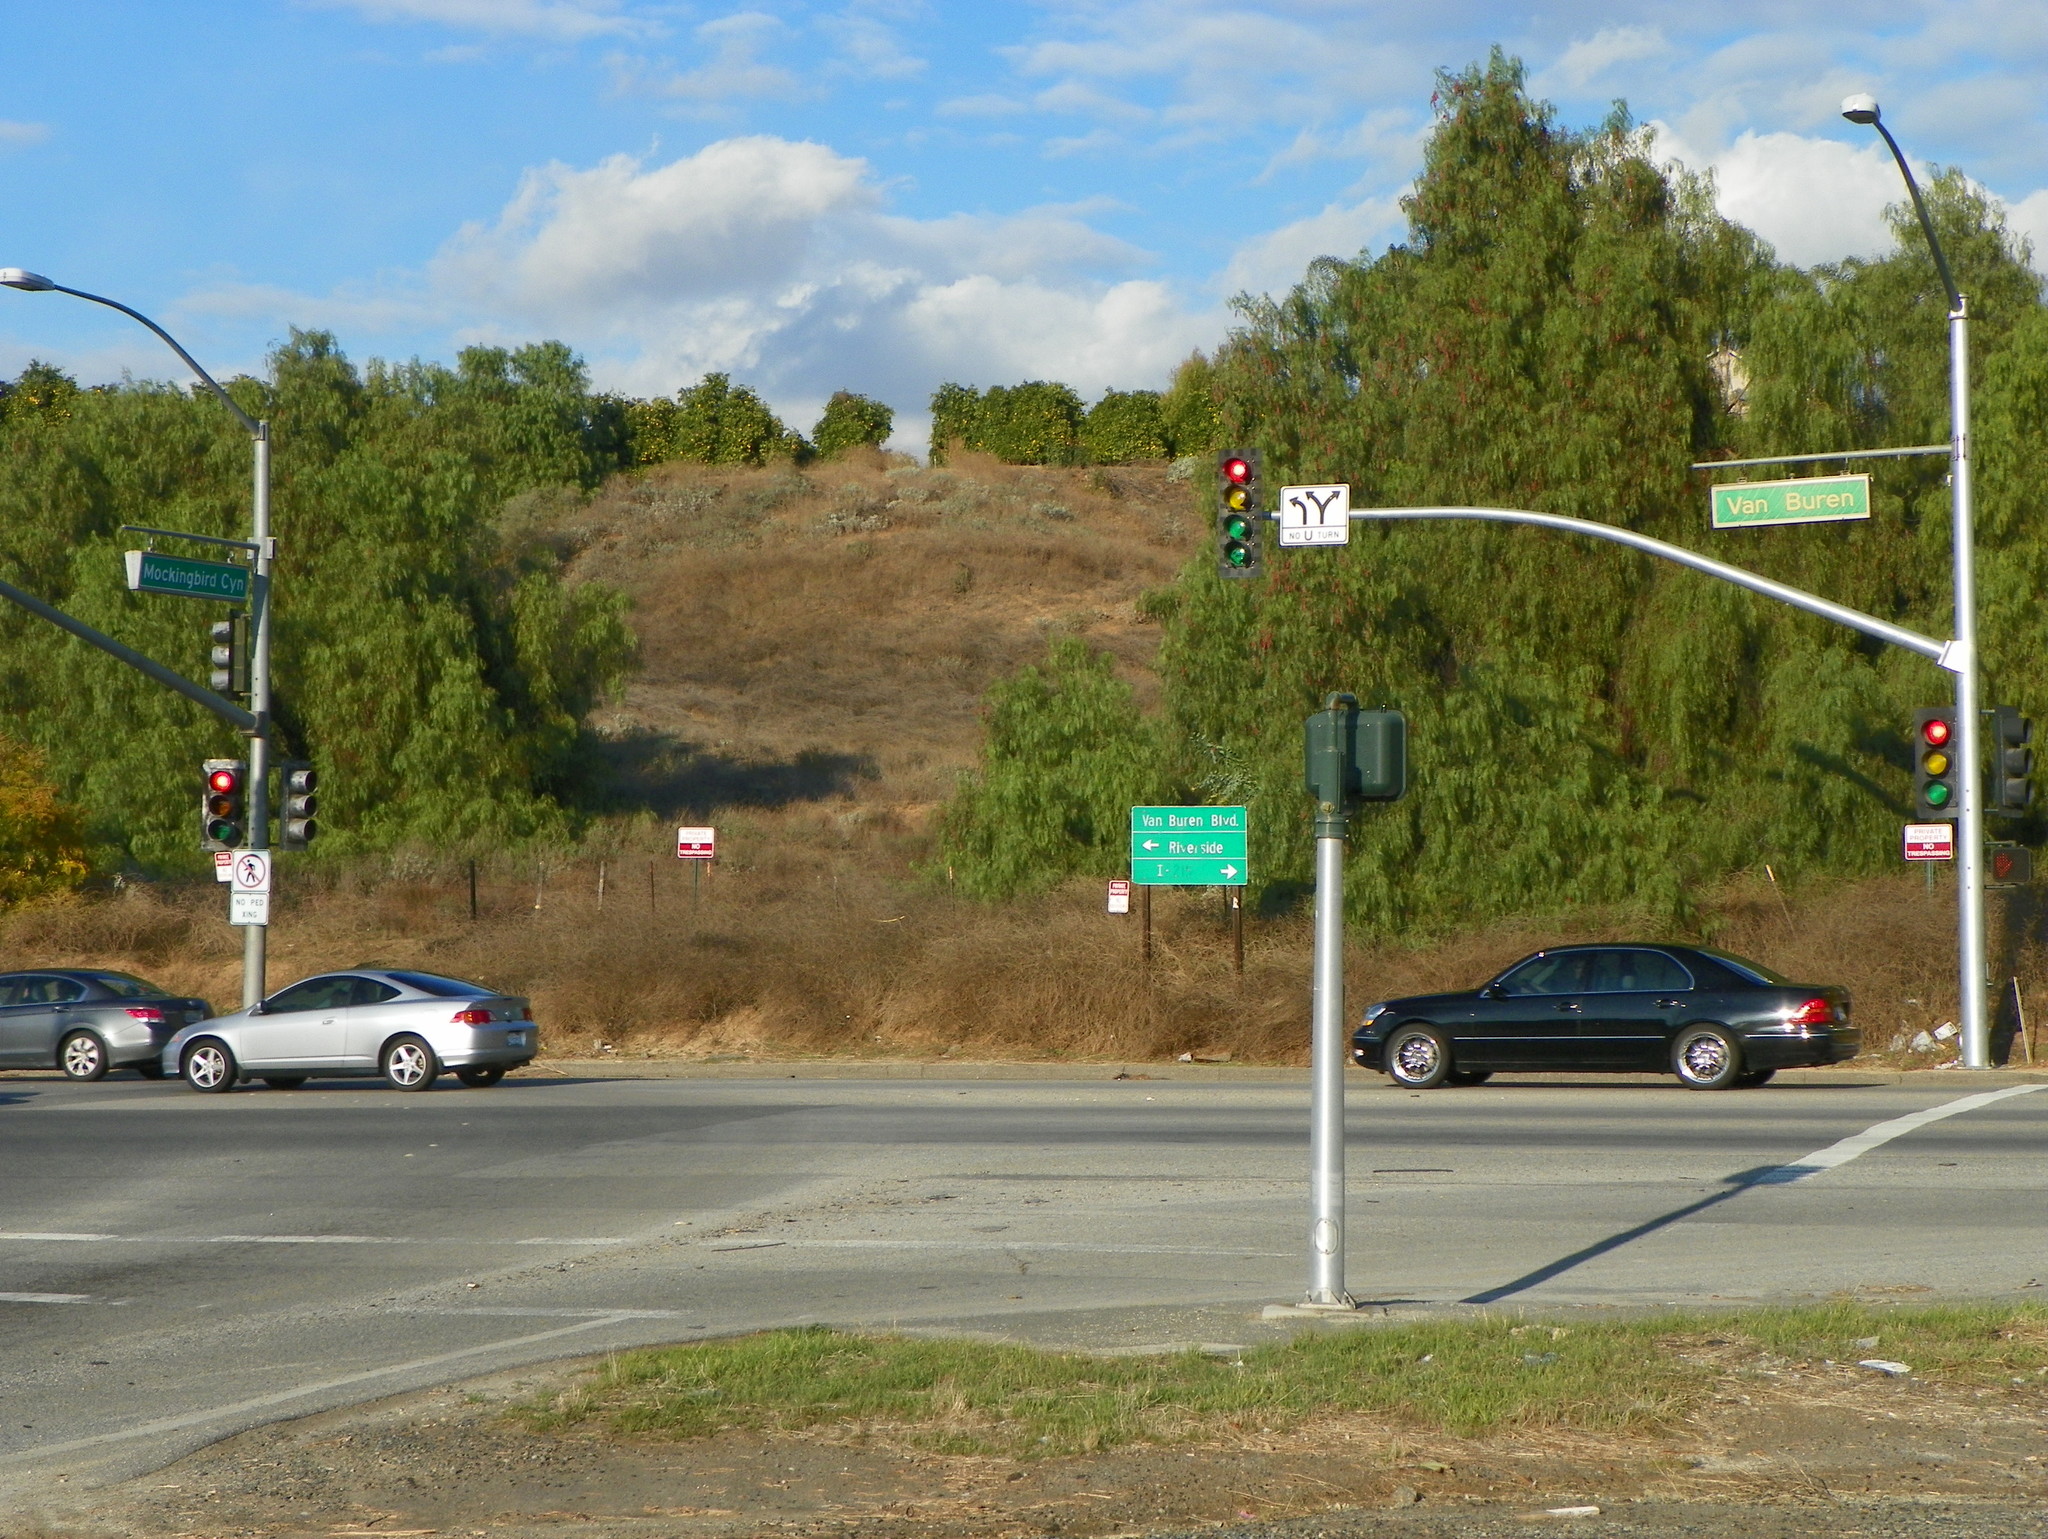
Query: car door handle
(1669, 1004)
(1568, 1004)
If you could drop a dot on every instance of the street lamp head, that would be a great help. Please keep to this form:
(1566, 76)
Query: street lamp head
(1860, 108)
(22, 278)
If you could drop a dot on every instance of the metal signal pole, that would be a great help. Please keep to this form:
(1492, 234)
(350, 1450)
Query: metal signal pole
(1969, 729)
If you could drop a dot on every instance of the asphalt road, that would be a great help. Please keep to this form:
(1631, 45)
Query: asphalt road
(176, 1267)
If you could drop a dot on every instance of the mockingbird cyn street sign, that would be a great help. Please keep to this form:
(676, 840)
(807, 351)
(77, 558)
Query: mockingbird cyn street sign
(1807, 500)
(1188, 847)
(150, 573)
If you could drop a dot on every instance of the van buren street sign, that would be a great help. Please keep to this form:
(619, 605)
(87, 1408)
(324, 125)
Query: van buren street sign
(1189, 847)
(1806, 500)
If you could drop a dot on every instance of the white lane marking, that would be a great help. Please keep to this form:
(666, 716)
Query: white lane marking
(1847, 1149)
(45, 1298)
(287, 1239)
(1074, 1245)
(548, 1312)
(285, 1396)
(300, 1239)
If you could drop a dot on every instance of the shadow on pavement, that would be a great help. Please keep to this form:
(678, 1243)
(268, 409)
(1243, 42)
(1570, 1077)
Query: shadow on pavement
(1737, 1184)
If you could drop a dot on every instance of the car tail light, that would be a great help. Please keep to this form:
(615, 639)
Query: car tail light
(526, 1014)
(472, 1017)
(149, 1013)
(1815, 1012)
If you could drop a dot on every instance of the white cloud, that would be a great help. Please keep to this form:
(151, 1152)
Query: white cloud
(1814, 200)
(735, 71)
(1590, 58)
(21, 135)
(869, 48)
(780, 262)
(563, 20)
(1273, 263)
(2029, 217)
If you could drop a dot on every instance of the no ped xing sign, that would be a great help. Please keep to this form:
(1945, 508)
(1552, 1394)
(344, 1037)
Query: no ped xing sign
(249, 887)
(1930, 841)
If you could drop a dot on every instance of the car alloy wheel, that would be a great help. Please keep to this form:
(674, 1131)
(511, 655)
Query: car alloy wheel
(209, 1066)
(409, 1064)
(82, 1056)
(1417, 1058)
(1706, 1058)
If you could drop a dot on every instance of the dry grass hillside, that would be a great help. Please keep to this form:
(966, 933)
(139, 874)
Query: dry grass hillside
(815, 648)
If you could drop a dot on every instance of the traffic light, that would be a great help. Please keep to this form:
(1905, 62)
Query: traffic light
(295, 825)
(228, 657)
(2011, 762)
(223, 817)
(1935, 776)
(1237, 513)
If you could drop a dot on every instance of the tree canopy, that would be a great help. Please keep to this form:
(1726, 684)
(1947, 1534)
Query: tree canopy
(1588, 725)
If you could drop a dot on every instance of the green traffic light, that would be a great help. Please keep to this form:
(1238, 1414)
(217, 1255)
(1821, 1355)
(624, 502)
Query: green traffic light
(1937, 794)
(1237, 526)
(1236, 554)
(223, 832)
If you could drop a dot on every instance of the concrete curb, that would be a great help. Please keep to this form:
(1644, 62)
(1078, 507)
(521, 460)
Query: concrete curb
(1191, 1073)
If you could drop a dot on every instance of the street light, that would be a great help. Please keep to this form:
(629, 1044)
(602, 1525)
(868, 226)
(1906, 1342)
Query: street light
(1863, 109)
(254, 937)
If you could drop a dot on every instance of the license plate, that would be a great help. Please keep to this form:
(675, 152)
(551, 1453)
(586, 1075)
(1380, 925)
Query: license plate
(515, 1039)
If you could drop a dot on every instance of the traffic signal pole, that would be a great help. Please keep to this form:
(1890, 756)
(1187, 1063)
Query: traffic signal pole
(256, 937)
(1970, 855)
(1326, 1288)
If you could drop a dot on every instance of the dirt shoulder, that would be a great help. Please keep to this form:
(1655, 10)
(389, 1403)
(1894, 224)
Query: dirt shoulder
(1805, 1449)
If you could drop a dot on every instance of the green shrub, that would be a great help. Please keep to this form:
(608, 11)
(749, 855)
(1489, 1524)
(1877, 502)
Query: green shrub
(851, 421)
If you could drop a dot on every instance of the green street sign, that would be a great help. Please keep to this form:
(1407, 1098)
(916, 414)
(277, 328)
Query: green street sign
(149, 572)
(1189, 847)
(1808, 500)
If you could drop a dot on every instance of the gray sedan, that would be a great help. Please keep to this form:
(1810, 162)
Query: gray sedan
(406, 1026)
(86, 1021)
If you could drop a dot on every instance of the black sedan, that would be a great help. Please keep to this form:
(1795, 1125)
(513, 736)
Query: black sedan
(86, 1021)
(1712, 1019)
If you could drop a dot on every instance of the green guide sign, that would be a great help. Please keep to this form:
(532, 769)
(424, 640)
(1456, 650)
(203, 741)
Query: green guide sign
(1808, 500)
(150, 573)
(1188, 846)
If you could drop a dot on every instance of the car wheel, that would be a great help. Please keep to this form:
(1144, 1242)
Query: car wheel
(284, 1081)
(1706, 1058)
(1753, 1078)
(1468, 1077)
(482, 1077)
(409, 1064)
(82, 1056)
(209, 1066)
(1416, 1057)
(151, 1068)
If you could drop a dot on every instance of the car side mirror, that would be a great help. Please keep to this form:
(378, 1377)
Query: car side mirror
(1491, 991)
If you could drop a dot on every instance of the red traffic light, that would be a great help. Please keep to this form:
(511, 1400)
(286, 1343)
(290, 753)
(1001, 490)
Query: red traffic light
(1935, 731)
(224, 781)
(1237, 471)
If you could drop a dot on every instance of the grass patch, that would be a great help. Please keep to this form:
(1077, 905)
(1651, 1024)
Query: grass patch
(1467, 1377)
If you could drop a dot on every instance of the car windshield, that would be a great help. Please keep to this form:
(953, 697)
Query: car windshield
(127, 986)
(442, 988)
(1753, 972)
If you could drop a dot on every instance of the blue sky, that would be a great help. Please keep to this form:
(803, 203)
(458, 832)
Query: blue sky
(876, 194)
